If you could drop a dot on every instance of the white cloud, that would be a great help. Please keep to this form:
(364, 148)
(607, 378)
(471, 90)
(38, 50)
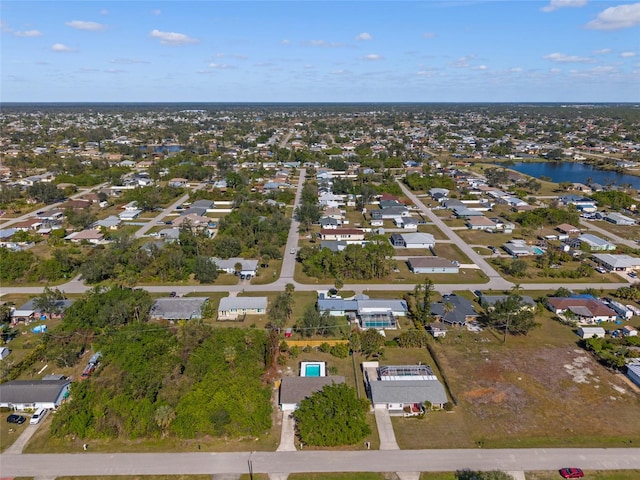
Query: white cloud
(615, 18)
(463, 62)
(286, 42)
(60, 47)
(339, 72)
(602, 51)
(556, 4)
(364, 36)
(157, 11)
(114, 70)
(555, 70)
(220, 66)
(516, 69)
(373, 56)
(563, 58)
(172, 38)
(628, 54)
(481, 67)
(104, 11)
(429, 35)
(82, 25)
(28, 33)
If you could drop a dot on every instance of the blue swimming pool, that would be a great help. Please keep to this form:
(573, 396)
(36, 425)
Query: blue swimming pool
(312, 370)
(537, 250)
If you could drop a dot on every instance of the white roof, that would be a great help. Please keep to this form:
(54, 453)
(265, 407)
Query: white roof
(618, 261)
(235, 303)
(418, 238)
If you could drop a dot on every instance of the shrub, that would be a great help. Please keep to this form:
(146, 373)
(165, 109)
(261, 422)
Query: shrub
(340, 350)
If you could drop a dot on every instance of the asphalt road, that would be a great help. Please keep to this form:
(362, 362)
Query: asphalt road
(289, 260)
(317, 461)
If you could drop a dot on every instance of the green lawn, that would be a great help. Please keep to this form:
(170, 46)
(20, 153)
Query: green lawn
(9, 432)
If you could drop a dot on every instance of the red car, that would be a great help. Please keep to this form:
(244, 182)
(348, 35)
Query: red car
(571, 473)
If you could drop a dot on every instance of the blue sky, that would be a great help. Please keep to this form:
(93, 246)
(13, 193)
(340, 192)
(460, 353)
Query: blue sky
(320, 51)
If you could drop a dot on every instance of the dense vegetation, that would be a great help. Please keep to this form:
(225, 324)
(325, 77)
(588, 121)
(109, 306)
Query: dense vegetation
(24, 266)
(193, 381)
(540, 217)
(333, 416)
(415, 181)
(354, 262)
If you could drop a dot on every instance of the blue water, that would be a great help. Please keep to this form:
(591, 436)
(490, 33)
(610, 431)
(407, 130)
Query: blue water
(574, 172)
(312, 370)
(163, 148)
(537, 250)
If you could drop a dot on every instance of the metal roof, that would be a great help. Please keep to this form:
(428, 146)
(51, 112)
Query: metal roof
(178, 308)
(31, 391)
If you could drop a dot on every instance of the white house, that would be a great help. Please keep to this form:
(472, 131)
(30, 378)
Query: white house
(231, 308)
(413, 240)
(33, 394)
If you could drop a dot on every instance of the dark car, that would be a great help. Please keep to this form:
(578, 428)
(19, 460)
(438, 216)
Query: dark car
(13, 418)
(571, 473)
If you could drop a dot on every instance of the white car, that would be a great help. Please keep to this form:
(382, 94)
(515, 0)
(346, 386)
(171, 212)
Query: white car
(292, 251)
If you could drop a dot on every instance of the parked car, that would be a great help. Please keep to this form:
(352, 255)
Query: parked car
(632, 274)
(39, 415)
(292, 251)
(571, 472)
(18, 419)
(172, 294)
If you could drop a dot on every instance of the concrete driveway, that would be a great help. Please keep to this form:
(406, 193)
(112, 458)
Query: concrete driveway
(287, 434)
(22, 440)
(385, 430)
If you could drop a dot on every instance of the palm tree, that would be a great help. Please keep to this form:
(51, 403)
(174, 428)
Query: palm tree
(164, 417)
(230, 355)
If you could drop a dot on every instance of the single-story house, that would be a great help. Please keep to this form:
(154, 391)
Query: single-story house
(231, 308)
(591, 332)
(618, 219)
(178, 308)
(370, 312)
(403, 389)
(454, 310)
(407, 223)
(330, 223)
(390, 213)
(480, 223)
(633, 372)
(129, 215)
(520, 248)
(295, 389)
(433, 265)
(57, 310)
(567, 229)
(247, 266)
(586, 309)
(437, 329)
(110, 223)
(349, 235)
(617, 263)
(413, 240)
(91, 236)
(33, 394)
(596, 243)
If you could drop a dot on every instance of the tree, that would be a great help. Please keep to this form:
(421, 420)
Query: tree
(204, 270)
(422, 302)
(45, 192)
(164, 417)
(48, 301)
(473, 475)
(513, 315)
(280, 310)
(372, 342)
(333, 416)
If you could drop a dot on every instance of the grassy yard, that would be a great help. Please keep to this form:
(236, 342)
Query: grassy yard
(342, 476)
(630, 232)
(451, 252)
(540, 390)
(142, 477)
(9, 432)
(433, 230)
(535, 275)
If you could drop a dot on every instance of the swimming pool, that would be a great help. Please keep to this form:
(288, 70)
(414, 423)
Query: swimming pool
(537, 250)
(312, 369)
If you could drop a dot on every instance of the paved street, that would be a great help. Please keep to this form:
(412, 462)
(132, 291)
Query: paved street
(318, 461)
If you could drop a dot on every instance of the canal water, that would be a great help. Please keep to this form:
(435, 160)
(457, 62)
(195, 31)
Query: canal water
(574, 172)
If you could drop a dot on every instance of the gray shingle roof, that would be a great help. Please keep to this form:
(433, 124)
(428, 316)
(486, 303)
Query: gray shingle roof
(31, 391)
(178, 308)
(408, 391)
(296, 389)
